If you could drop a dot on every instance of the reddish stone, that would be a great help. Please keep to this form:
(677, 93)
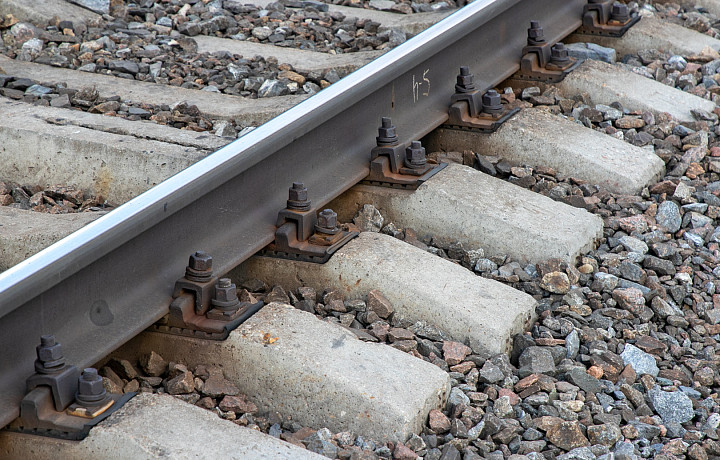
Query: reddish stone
(514, 399)
(237, 404)
(438, 422)
(455, 352)
(525, 383)
(402, 452)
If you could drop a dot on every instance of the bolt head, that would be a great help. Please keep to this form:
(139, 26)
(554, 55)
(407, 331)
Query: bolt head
(386, 131)
(225, 293)
(536, 33)
(416, 153)
(491, 99)
(90, 383)
(559, 51)
(200, 261)
(619, 9)
(49, 353)
(327, 218)
(298, 192)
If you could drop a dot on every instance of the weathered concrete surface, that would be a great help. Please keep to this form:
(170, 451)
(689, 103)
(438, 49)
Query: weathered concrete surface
(465, 205)
(301, 60)
(606, 83)
(483, 313)
(411, 24)
(653, 33)
(115, 166)
(535, 137)
(24, 233)
(247, 112)
(153, 426)
(41, 11)
(318, 373)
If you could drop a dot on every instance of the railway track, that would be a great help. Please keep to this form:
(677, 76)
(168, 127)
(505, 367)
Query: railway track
(97, 288)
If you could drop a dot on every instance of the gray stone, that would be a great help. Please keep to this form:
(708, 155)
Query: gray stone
(272, 88)
(490, 373)
(536, 360)
(457, 397)
(587, 382)
(645, 430)
(320, 443)
(225, 129)
(641, 362)
(660, 266)
(579, 453)
(572, 344)
(673, 406)
(591, 51)
(633, 244)
(368, 219)
(668, 216)
(38, 90)
(124, 66)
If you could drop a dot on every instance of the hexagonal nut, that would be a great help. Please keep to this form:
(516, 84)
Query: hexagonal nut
(415, 153)
(536, 33)
(465, 80)
(226, 294)
(620, 9)
(298, 192)
(491, 98)
(558, 51)
(51, 353)
(90, 384)
(327, 218)
(200, 261)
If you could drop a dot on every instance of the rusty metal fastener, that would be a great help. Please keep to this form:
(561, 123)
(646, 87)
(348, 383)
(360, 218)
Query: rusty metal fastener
(559, 54)
(536, 34)
(491, 102)
(327, 222)
(90, 388)
(415, 155)
(225, 294)
(620, 12)
(464, 81)
(49, 356)
(386, 133)
(199, 267)
(298, 197)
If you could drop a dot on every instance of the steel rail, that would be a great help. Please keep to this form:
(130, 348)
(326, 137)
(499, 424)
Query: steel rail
(105, 283)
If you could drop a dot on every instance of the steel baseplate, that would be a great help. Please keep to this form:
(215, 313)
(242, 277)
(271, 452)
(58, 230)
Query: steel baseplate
(304, 236)
(459, 118)
(61, 402)
(607, 18)
(396, 166)
(543, 61)
(38, 416)
(204, 306)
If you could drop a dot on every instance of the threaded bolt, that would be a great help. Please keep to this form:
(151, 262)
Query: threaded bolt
(49, 355)
(200, 261)
(225, 294)
(464, 81)
(620, 12)
(415, 155)
(327, 218)
(536, 34)
(90, 387)
(559, 54)
(386, 133)
(298, 197)
(491, 102)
